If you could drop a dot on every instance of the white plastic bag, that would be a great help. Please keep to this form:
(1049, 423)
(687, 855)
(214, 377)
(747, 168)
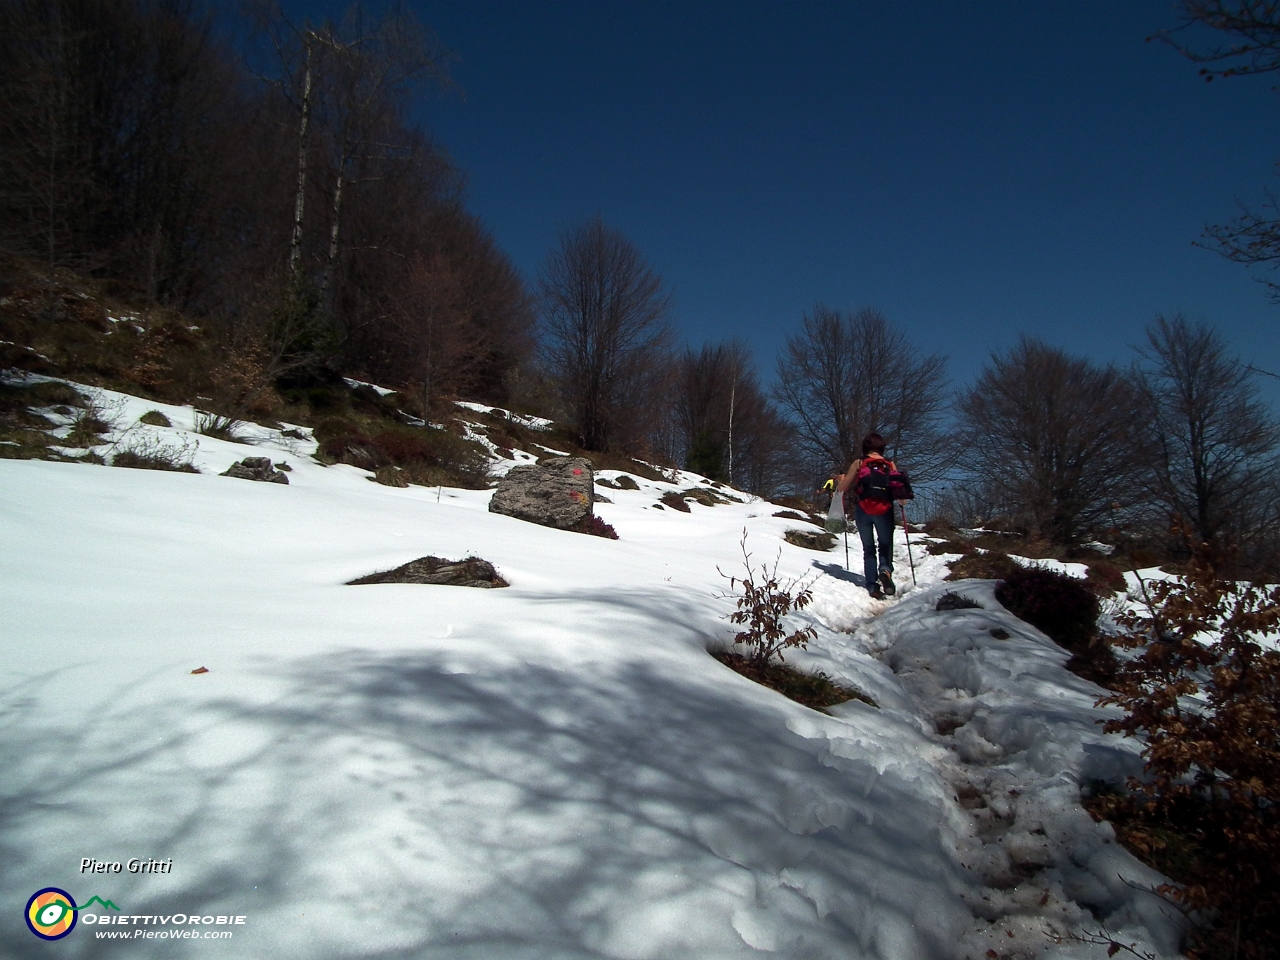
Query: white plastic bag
(836, 522)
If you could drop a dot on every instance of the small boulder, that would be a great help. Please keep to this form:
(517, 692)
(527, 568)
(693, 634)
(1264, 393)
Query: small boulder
(556, 492)
(470, 572)
(255, 468)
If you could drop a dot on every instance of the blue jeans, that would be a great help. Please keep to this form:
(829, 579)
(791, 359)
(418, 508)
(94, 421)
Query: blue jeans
(871, 529)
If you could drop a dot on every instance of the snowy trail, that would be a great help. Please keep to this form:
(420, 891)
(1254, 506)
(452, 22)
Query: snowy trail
(556, 769)
(1021, 738)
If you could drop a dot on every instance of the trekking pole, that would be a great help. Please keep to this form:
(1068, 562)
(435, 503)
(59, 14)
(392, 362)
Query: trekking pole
(846, 546)
(906, 535)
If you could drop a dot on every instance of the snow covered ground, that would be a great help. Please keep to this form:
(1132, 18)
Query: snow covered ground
(553, 770)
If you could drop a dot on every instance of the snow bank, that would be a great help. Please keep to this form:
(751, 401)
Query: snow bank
(556, 769)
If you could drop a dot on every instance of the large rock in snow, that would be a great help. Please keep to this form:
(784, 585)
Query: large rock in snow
(471, 572)
(555, 492)
(255, 468)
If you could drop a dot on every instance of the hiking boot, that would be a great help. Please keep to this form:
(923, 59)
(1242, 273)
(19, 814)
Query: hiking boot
(876, 593)
(886, 583)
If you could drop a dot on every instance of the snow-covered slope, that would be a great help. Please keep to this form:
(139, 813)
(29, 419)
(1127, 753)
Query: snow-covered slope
(555, 770)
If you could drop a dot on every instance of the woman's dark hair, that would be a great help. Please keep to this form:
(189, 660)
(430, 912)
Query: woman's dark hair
(872, 443)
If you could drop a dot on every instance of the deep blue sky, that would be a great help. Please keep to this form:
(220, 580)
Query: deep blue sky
(975, 170)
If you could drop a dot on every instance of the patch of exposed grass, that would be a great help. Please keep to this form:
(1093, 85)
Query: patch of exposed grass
(140, 461)
(675, 501)
(810, 539)
(983, 566)
(154, 418)
(150, 453)
(86, 430)
(794, 503)
(218, 426)
(559, 438)
(954, 601)
(814, 690)
(17, 443)
(390, 476)
(18, 398)
(425, 455)
(706, 496)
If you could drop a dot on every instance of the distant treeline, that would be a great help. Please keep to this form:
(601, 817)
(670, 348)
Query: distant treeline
(280, 190)
(284, 194)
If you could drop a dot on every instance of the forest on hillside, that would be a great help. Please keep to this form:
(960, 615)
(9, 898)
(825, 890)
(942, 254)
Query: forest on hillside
(274, 185)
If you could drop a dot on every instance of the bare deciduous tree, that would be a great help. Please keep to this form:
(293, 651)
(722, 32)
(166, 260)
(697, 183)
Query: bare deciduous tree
(431, 314)
(374, 70)
(1253, 26)
(1208, 445)
(1048, 434)
(286, 214)
(726, 428)
(844, 375)
(606, 338)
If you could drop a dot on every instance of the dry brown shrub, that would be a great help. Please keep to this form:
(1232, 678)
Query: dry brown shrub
(150, 366)
(1212, 773)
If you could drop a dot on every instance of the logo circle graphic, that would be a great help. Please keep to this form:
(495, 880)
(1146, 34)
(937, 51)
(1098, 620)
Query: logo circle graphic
(51, 913)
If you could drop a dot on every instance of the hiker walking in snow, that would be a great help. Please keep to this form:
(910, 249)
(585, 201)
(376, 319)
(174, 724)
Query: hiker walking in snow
(876, 484)
(828, 490)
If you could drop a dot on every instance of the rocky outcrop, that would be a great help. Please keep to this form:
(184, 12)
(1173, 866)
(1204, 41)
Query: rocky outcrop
(255, 468)
(470, 572)
(555, 493)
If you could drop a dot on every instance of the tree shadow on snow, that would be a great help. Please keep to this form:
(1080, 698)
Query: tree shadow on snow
(407, 805)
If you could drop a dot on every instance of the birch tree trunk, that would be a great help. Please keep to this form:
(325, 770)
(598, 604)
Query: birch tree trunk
(300, 199)
(334, 222)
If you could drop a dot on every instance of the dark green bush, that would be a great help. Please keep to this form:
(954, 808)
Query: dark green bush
(331, 427)
(354, 448)
(406, 446)
(323, 399)
(1063, 607)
